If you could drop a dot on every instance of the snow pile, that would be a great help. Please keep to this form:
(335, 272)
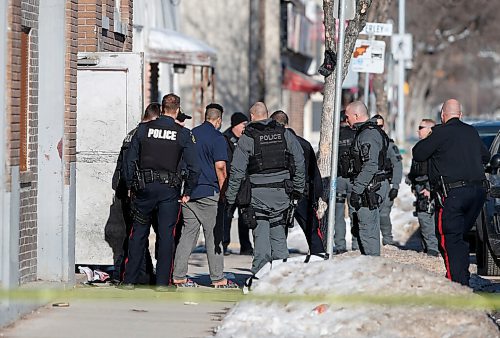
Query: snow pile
(354, 275)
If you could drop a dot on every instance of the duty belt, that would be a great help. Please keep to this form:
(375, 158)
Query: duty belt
(151, 176)
(465, 183)
(380, 177)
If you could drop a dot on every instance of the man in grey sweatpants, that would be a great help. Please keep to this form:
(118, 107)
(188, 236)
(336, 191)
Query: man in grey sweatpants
(205, 203)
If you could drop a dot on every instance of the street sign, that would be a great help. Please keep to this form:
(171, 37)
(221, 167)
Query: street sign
(402, 46)
(368, 56)
(349, 9)
(377, 29)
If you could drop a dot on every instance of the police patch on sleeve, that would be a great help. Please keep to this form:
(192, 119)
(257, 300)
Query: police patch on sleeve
(365, 151)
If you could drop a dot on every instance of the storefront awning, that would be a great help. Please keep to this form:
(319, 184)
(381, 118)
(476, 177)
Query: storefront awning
(299, 82)
(168, 46)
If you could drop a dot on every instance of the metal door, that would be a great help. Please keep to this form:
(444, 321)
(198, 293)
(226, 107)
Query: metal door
(109, 104)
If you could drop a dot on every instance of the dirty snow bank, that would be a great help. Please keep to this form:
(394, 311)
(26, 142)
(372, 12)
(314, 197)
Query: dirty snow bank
(348, 275)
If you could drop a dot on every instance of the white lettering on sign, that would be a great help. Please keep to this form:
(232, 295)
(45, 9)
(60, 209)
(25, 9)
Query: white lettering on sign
(379, 29)
(268, 138)
(162, 134)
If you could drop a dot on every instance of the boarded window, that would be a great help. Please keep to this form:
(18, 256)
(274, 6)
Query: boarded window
(24, 105)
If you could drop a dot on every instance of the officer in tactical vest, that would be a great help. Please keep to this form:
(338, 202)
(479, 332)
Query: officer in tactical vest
(344, 188)
(394, 175)
(305, 213)
(424, 205)
(272, 158)
(152, 174)
(119, 185)
(367, 162)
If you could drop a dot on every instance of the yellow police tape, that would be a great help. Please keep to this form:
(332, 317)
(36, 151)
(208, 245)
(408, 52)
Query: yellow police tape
(484, 301)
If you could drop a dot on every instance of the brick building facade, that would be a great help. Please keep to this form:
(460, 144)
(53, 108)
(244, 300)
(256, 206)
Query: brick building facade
(88, 25)
(105, 26)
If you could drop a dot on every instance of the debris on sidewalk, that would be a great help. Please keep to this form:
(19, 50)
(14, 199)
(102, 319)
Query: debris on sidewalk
(94, 276)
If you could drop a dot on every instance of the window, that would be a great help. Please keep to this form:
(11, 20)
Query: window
(24, 104)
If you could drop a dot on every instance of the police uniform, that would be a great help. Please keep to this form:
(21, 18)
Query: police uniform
(456, 156)
(305, 213)
(243, 231)
(424, 206)
(369, 153)
(262, 152)
(344, 187)
(119, 185)
(394, 175)
(157, 148)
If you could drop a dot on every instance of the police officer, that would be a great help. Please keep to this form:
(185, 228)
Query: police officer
(368, 154)
(344, 188)
(267, 152)
(424, 205)
(119, 185)
(232, 135)
(456, 157)
(305, 213)
(394, 175)
(151, 164)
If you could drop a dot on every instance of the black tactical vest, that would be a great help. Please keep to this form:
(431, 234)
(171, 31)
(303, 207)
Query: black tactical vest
(160, 148)
(346, 136)
(382, 156)
(270, 152)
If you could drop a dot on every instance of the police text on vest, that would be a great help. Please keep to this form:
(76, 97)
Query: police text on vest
(162, 134)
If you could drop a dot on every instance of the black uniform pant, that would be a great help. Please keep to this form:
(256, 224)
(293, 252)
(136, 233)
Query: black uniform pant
(165, 199)
(308, 221)
(453, 221)
(243, 232)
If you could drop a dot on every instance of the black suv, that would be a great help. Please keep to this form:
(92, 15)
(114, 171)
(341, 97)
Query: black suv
(488, 222)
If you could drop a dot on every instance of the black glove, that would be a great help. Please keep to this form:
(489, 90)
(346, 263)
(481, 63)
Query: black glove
(355, 201)
(393, 193)
(295, 195)
(230, 210)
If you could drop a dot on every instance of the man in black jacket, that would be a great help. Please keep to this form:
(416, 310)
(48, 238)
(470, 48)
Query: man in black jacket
(232, 134)
(456, 157)
(305, 214)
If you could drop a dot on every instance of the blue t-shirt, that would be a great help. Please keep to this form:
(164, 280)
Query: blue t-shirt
(211, 147)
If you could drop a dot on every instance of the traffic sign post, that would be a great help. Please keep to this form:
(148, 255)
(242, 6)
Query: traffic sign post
(349, 9)
(368, 56)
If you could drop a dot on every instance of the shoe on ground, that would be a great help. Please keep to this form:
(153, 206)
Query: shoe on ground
(339, 251)
(227, 252)
(228, 285)
(165, 288)
(187, 284)
(246, 252)
(126, 286)
(433, 253)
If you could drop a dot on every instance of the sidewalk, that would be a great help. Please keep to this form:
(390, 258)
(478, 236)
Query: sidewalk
(140, 317)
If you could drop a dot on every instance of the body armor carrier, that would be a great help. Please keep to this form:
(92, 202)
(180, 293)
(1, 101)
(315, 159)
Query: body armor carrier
(160, 149)
(358, 157)
(270, 151)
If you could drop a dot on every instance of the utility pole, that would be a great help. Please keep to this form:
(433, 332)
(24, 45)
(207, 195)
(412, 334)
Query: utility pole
(336, 129)
(401, 126)
(257, 65)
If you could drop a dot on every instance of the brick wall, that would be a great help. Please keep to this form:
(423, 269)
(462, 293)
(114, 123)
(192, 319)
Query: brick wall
(23, 16)
(92, 37)
(70, 86)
